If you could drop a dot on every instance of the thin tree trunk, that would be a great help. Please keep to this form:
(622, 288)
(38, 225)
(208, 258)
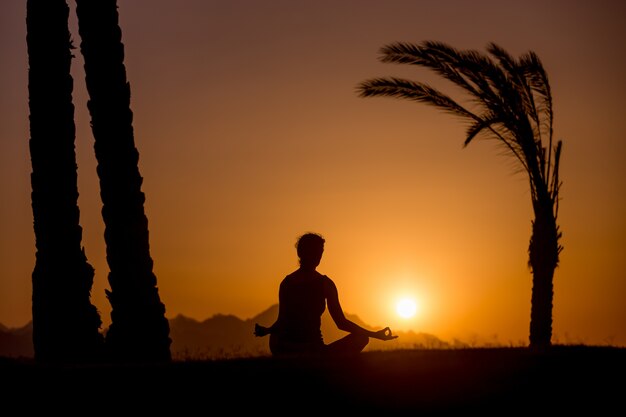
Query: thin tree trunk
(139, 330)
(543, 260)
(65, 323)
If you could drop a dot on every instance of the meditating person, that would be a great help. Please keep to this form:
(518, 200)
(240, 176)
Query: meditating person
(302, 299)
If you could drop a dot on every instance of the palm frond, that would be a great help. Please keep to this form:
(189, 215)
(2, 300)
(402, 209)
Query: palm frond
(530, 85)
(437, 56)
(538, 80)
(533, 69)
(411, 90)
(510, 142)
(479, 125)
(403, 53)
(495, 128)
(555, 181)
(475, 72)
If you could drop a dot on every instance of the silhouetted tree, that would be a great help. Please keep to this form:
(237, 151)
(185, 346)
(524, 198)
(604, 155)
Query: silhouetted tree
(139, 330)
(513, 105)
(65, 323)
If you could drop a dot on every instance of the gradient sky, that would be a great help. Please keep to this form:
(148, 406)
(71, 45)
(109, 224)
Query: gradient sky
(250, 133)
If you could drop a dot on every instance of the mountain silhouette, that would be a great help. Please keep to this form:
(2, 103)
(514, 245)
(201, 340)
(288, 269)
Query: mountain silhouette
(227, 336)
(17, 342)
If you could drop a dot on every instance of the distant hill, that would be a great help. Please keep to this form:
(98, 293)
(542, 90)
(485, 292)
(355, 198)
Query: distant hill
(227, 336)
(17, 342)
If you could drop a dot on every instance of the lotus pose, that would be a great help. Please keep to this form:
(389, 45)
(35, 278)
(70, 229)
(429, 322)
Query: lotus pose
(302, 298)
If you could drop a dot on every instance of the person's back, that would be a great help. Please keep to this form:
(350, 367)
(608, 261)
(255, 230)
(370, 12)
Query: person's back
(302, 302)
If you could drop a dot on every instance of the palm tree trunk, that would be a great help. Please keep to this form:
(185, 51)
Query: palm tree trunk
(543, 259)
(65, 323)
(139, 330)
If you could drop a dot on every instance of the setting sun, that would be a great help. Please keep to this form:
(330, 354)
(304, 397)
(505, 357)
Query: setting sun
(406, 307)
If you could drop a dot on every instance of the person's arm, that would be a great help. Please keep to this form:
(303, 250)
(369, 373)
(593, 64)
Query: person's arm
(343, 323)
(261, 331)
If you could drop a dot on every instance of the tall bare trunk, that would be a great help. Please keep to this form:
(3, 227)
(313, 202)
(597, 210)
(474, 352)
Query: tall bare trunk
(65, 323)
(139, 330)
(543, 260)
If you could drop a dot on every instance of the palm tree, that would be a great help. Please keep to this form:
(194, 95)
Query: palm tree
(513, 105)
(139, 330)
(66, 326)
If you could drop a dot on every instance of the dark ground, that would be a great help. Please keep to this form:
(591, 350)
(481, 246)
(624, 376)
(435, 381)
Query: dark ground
(566, 380)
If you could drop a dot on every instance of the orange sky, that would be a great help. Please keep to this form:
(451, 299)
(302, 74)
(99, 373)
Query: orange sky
(250, 133)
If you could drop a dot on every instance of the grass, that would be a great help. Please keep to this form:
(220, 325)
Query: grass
(472, 381)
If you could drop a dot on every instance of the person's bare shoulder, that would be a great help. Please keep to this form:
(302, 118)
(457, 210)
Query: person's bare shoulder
(329, 284)
(290, 277)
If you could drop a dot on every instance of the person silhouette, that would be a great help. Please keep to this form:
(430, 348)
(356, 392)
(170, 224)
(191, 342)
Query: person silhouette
(302, 299)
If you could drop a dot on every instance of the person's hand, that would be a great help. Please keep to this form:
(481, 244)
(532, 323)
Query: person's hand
(260, 331)
(385, 334)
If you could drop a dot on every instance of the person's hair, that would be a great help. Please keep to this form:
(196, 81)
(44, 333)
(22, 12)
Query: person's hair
(309, 244)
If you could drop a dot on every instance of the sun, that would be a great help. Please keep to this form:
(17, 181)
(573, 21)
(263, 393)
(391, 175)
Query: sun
(406, 307)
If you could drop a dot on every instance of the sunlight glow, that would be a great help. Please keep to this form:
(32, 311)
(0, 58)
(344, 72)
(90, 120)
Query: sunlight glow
(406, 307)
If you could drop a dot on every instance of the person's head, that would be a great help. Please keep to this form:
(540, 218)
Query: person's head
(310, 247)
